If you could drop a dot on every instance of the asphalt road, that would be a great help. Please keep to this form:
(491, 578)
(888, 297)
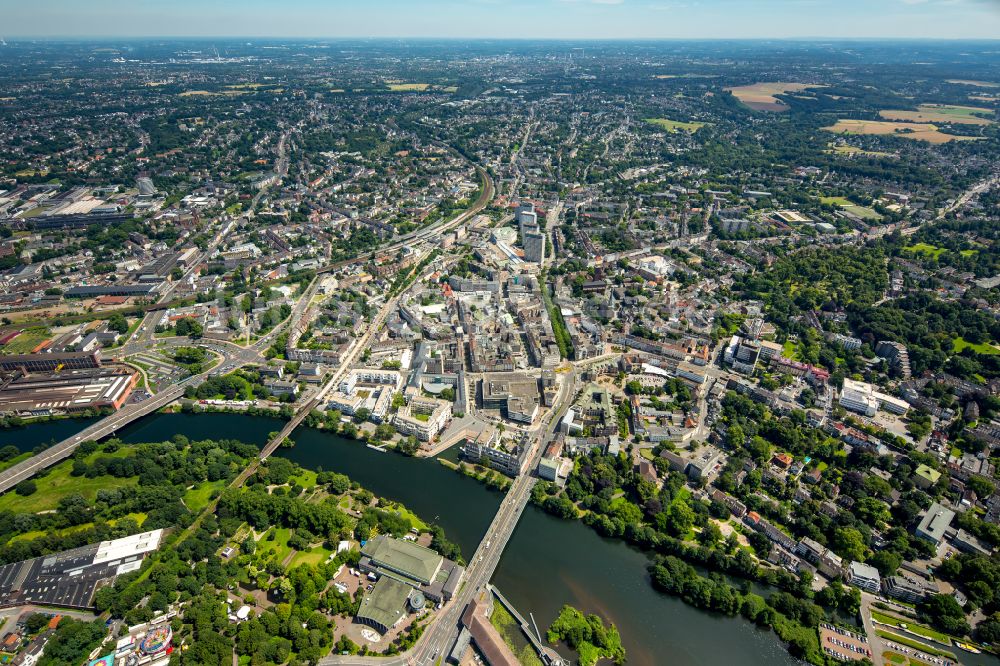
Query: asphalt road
(442, 633)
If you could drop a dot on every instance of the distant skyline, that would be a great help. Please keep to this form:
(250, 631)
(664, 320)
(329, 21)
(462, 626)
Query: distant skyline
(572, 19)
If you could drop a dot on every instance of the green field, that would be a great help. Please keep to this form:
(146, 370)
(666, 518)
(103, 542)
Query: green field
(912, 627)
(197, 498)
(863, 212)
(16, 459)
(790, 350)
(401, 510)
(982, 348)
(279, 546)
(56, 485)
(925, 249)
(24, 343)
(674, 126)
(312, 556)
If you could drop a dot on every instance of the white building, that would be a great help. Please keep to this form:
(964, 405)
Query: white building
(862, 397)
(423, 417)
(864, 576)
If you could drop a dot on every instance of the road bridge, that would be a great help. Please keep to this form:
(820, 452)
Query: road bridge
(442, 633)
(25, 469)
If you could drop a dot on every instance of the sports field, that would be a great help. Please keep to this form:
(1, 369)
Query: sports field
(863, 212)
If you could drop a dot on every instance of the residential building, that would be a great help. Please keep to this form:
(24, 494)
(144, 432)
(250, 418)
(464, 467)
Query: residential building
(864, 576)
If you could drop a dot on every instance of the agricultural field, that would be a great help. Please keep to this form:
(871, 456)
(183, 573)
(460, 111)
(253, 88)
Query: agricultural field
(209, 93)
(941, 113)
(408, 87)
(977, 84)
(761, 96)
(27, 341)
(674, 126)
(916, 131)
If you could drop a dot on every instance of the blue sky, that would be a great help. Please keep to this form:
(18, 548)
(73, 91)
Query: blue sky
(591, 19)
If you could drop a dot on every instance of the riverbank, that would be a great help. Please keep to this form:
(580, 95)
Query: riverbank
(548, 562)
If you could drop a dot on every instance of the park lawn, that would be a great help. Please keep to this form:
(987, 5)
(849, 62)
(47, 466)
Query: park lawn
(27, 536)
(402, 511)
(16, 459)
(927, 632)
(925, 249)
(887, 619)
(197, 498)
(58, 484)
(981, 348)
(122, 452)
(138, 517)
(306, 479)
(65, 531)
(312, 556)
(647, 454)
(279, 546)
(674, 126)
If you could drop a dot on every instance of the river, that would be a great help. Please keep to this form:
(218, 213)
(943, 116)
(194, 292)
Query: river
(548, 562)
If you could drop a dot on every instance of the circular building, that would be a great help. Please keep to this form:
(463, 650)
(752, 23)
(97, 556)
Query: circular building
(156, 640)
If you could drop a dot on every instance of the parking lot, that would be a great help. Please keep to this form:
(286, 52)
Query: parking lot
(843, 644)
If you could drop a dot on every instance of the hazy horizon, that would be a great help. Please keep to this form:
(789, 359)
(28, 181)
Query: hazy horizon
(506, 19)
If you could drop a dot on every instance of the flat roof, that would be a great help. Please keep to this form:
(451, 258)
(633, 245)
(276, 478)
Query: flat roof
(137, 544)
(403, 557)
(936, 521)
(69, 389)
(385, 604)
(928, 473)
(862, 570)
